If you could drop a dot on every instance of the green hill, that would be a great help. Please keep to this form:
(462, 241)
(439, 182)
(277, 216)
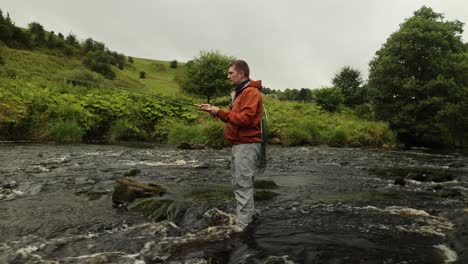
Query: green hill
(160, 77)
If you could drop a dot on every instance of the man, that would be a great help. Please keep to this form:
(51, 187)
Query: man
(243, 130)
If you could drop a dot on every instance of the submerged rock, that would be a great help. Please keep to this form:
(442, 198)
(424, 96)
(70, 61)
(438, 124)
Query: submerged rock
(265, 184)
(190, 145)
(127, 190)
(263, 195)
(132, 172)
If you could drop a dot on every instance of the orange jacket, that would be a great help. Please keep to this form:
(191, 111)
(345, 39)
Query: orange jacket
(243, 120)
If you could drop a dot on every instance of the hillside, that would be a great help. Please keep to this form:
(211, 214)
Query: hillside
(160, 77)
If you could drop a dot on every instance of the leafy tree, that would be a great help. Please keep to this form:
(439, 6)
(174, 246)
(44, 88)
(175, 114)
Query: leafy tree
(206, 75)
(38, 32)
(349, 81)
(304, 95)
(117, 59)
(130, 59)
(419, 80)
(288, 94)
(173, 64)
(92, 45)
(60, 35)
(72, 40)
(330, 99)
(142, 75)
(100, 62)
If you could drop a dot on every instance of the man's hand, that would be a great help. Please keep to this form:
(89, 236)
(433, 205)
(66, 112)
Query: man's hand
(213, 110)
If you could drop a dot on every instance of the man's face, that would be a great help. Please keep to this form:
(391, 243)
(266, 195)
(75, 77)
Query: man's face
(235, 76)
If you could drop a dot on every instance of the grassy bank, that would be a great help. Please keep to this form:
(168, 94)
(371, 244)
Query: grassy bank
(36, 105)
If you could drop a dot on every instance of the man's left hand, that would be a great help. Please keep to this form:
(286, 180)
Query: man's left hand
(210, 108)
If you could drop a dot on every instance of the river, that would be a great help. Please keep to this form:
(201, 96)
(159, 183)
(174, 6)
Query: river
(335, 205)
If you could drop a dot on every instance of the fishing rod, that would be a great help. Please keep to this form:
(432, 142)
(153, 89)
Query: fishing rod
(115, 87)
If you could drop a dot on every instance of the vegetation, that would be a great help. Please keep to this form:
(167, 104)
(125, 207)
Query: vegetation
(419, 81)
(206, 75)
(418, 85)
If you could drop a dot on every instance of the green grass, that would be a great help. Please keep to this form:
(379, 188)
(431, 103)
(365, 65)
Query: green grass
(160, 82)
(28, 102)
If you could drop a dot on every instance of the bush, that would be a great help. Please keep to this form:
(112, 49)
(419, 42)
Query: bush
(209, 133)
(142, 75)
(123, 129)
(339, 137)
(100, 62)
(330, 99)
(65, 131)
(159, 67)
(83, 78)
(174, 64)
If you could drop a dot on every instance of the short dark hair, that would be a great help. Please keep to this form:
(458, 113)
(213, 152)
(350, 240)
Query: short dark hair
(242, 66)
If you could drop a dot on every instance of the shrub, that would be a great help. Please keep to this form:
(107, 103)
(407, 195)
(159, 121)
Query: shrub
(100, 62)
(123, 129)
(338, 138)
(174, 64)
(65, 131)
(142, 75)
(159, 67)
(330, 99)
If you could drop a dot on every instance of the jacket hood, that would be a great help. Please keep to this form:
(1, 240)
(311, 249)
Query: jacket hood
(256, 84)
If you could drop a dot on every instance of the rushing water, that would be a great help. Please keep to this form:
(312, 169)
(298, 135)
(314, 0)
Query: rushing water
(336, 205)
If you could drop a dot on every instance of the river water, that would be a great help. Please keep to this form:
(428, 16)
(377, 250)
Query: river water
(335, 205)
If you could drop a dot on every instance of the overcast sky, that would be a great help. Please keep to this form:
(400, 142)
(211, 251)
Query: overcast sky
(288, 44)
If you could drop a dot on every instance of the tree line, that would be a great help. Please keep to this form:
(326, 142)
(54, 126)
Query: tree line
(94, 54)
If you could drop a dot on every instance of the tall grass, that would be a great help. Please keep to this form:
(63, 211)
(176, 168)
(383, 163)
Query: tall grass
(65, 131)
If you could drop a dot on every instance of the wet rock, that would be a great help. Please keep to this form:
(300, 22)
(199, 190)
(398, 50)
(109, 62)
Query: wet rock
(450, 193)
(416, 177)
(275, 141)
(8, 184)
(456, 164)
(189, 145)
(414, 173)
(132, 172)
(93, 194)
(127, 190)
(355, 144)
(400, 181)
(263, 195)
(216, 217)
(202, 166)
(265, 184)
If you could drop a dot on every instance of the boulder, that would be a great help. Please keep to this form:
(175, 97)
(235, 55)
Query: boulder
(127, 190)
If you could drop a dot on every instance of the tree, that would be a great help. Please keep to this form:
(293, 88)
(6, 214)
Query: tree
(304, 95)
(130, 59)
(349, 81)
(206, 75)
(142, 75)
(419, 80)
(173, 64)
(100, 62)
(37, 30)
(72, 41)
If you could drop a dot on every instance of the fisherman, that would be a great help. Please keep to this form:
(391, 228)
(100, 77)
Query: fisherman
(243, 130)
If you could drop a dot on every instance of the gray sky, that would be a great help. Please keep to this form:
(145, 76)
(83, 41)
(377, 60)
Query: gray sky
(288, 44)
